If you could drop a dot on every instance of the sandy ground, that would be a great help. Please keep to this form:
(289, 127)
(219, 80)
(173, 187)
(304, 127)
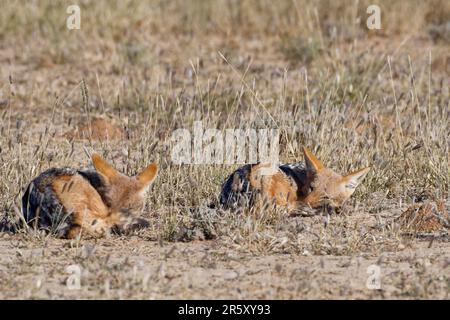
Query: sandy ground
(136, 268)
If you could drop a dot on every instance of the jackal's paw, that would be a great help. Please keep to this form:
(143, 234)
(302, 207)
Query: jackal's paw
(134, 225)
(137, 224)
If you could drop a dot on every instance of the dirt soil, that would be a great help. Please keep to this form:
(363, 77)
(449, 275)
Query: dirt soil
(138, 267)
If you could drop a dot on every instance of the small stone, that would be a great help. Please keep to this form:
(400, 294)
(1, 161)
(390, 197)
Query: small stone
(230, 275)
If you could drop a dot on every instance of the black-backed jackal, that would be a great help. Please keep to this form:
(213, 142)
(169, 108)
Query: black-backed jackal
(290, 185)
(72, 202)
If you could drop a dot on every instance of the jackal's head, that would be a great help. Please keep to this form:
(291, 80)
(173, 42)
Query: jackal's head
(124, 194)
(326, 187)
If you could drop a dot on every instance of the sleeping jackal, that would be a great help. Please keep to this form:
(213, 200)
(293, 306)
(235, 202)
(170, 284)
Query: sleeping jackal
(290, 185)
(72, 202)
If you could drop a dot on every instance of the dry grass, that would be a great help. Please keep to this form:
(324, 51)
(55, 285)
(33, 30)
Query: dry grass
(310, 69)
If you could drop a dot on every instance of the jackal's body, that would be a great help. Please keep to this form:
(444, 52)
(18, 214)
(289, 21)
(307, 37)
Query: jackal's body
(62, 200)
(69, 202)
(286, 184)
(245, 184)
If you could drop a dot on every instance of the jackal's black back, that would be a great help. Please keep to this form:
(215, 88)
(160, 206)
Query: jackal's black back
(40, 205)
(236, 190)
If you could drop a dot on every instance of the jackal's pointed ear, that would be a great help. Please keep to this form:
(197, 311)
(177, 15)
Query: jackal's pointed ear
(352, 180)
(312, 163)
(148, 175)
(103, 167)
